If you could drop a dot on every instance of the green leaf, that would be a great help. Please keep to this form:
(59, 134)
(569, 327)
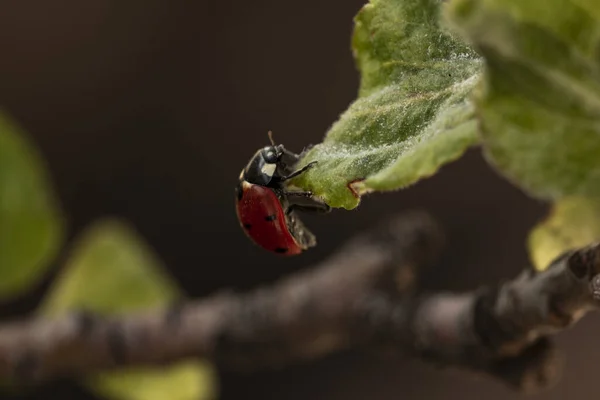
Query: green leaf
(112, 271)
(573, 222)
(31, 226)
(412, 114)
(539, 103)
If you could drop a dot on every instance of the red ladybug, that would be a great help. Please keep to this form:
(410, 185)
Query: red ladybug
(266, 210)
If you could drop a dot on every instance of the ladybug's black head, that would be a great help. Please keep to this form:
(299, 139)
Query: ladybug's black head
(262, 165)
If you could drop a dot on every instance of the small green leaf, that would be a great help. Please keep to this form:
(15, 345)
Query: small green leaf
(412, 114)
(112, 271)
(31, 227)
(573, 222)
(539, 103)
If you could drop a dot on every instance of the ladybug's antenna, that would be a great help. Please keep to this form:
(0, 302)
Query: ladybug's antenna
(271, 137)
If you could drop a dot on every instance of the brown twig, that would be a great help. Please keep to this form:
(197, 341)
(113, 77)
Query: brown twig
(364, 295)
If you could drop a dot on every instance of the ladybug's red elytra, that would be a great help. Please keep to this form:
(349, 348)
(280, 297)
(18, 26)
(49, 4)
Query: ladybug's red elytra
(266, 210)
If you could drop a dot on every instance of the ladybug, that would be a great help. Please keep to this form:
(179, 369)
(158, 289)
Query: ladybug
(267, 210)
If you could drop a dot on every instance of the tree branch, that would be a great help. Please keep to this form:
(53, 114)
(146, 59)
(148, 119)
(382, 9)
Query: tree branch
(364, 295)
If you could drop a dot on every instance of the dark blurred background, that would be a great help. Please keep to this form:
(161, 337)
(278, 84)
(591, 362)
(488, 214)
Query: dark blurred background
(149, 109)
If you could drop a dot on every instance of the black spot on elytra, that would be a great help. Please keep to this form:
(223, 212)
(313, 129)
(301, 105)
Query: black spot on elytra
(248, 226)
(117, 344)
(271, 218)
(281, 250)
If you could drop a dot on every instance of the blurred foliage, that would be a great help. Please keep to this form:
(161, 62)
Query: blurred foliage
(412, 114)
(573, 222)
(539, 103)
(188, 380)
(529, 94)
(112, 271)
(31, 226)
(539, 107)
(109, 270)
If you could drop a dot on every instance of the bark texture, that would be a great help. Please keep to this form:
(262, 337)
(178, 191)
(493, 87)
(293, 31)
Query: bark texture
(365, 295)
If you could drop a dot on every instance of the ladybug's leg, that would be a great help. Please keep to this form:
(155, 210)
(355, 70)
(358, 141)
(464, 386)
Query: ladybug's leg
(316, 208)
(287, 160)
(291, 158)
(292, 195)
(298, 171)
(306, 149)
(304, 201)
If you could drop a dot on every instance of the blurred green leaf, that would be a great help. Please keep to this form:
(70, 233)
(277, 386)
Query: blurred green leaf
(539, 104)
(412, 114)
(31, 229)
(112, 271)
(573, 222)
(190, 380)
